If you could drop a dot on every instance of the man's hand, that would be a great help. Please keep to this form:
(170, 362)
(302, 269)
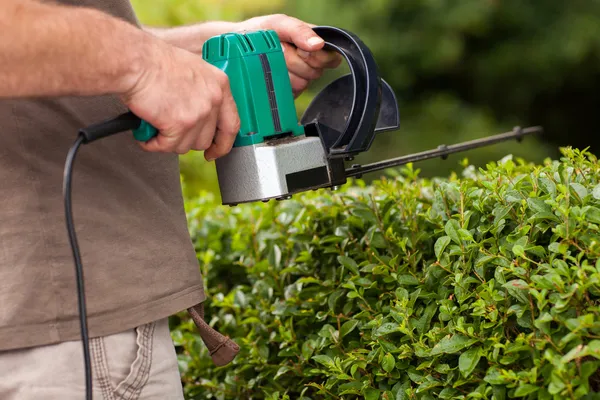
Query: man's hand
(302, 48)
(188, 100)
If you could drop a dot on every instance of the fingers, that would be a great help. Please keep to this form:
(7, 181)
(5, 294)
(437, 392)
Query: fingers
(293, 30)
(207, 132)
(297, 66)
(307, 61)
(298, 84)
(164, 142)
(320, 59)
(227, 128)
(304, 67)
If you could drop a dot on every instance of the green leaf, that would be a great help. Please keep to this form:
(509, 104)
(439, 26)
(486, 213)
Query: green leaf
(350, 388)
(448, 393)
(240, 299)
(518, 289)
(593, 215)
(282, 371)
(501, 212)
(387, 328)
(539, 205)
(401, 393)
(525, 390)
(556, 247)
(327, 331)
(348, 263)
(308, 348)
(371, 394)
(580, 190)
(596, 192)
(495, 376)
(348, 327)
(407, 280)
(452, 344)
(452, 227)
(513, 196)
(263, 351)
(465, 235)
(333, 298)
(468, 361)
(499, 392)
(365, 214)
(323, 359)
(440, 245)
(428, 384)
(518, 250)
(388, 363)
(275, 258)
(548, 185)
(544, 216)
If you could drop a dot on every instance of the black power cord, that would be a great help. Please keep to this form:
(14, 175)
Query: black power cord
(67, 179)
(122, 123)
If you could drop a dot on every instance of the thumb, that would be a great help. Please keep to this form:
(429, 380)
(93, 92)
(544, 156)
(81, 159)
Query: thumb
(299, 33)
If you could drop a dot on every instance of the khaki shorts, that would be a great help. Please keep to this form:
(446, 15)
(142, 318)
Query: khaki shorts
(137, 364)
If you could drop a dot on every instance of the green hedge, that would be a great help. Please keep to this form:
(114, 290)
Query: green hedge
(483, 286)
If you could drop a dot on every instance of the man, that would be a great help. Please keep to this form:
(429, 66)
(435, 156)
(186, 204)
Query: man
(65, 65)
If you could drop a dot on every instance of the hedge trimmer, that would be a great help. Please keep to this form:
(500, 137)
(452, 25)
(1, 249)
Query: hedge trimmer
(275, 155)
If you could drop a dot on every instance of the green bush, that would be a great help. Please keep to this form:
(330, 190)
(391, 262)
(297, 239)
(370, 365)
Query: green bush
(484, 286)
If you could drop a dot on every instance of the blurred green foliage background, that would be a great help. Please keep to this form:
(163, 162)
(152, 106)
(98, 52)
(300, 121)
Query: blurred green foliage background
(461, 69)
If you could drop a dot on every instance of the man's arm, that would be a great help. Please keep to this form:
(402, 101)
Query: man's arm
(51, 50)
(192, 37)
(54, 50)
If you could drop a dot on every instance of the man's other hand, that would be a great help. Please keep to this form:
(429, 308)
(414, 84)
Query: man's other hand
(303, 48)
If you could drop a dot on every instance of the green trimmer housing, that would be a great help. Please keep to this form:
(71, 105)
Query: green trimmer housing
(260, 84)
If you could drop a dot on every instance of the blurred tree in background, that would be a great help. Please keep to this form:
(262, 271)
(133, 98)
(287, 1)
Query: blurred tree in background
(460, 69)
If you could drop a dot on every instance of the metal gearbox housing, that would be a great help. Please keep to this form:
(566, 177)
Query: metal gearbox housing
(272, 170)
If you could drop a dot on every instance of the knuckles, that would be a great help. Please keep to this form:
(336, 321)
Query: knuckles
(188, 121)
(220, 78)
(274, 19)
(204, 143)
(217, 97)
(203, 111)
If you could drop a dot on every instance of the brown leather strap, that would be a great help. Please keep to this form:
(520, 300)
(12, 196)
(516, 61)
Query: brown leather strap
(222, 349)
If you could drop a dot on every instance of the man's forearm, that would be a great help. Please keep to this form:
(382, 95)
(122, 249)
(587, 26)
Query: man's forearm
(192, 37)
(53, 50)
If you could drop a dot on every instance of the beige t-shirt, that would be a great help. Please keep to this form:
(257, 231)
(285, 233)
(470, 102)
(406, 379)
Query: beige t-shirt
(138, 259)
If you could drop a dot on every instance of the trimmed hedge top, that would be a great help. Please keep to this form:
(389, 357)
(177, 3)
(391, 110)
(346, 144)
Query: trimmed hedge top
(480, 287)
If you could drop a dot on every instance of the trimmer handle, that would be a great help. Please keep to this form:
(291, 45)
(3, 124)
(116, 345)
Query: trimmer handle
(142, 130)
(352, 109)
